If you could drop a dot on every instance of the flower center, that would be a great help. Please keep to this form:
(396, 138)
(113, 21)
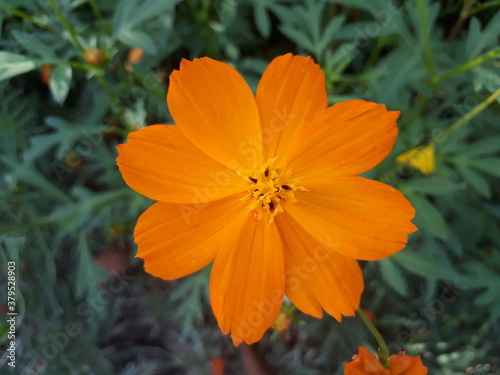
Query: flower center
(270, 188)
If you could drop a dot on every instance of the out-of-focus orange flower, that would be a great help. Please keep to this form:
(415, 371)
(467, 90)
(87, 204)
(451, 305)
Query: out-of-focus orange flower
(95, 57)
(45, 73)
(266, 187)
(365, 363)
(217, 365)
(282, 322)
(134, 57)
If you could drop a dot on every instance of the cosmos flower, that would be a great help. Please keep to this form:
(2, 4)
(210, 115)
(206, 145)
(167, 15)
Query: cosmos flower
(266, 187)
(422, 158)
(365, 363)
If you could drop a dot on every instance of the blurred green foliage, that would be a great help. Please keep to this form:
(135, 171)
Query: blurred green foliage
(65, 210)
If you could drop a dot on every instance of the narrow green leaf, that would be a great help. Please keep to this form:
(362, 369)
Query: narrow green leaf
(138, 39)
(423, 265)
(490, 166)
(393, 276)
(428, 218)
(262, 20)
(60, 83)
(432, 187)
(475, 180)
(13, 64)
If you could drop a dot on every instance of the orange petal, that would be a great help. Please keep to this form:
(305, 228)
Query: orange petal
(178, 239)
(160, 163)
(402, 364)
(290, 94)
(360, 218)
(216, 110)
(347, 139)
(316, 276)
(365, 363)
(247, 281)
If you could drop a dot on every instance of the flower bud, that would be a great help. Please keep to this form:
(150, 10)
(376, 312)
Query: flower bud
(95, 57)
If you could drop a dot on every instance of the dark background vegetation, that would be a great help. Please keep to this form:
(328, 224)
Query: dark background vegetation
(85, 304)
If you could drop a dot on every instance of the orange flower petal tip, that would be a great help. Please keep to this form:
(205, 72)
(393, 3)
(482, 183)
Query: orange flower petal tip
(266, 187)
(365, 363)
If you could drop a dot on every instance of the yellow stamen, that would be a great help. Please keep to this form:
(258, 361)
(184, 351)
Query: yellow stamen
(270, 187)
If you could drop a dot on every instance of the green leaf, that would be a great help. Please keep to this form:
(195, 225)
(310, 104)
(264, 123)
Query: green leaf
(35, 45)
(60, 83)
(262, 20)
(475, 179)
(328, 33)
(428, 218)
(393, 276)
(13, 64)
(424, 265)
(479, 41)
(338, 60)
(490, 166)
(88, 276)
(432, 186)
(138, 39)
(129, 13)
(484, 146)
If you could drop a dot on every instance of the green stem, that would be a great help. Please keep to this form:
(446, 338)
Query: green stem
(66, 25)
(97, 12)
(428, 57)
(469, 65)
(481, 7)
(28, 17)
(375, 53)
(474, 112)
(383, 350)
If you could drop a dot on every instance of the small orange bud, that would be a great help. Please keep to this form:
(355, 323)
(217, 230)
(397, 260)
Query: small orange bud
(94, 56)
(45, 74)
(134, 57)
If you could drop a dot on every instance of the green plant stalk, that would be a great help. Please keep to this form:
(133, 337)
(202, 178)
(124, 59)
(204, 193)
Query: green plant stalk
(66, 25)
(375, 53)
(474, 112)
(384, 351)
(469, 65)
(27, 17)
(481, 7)
(97, 12)
(429, 59)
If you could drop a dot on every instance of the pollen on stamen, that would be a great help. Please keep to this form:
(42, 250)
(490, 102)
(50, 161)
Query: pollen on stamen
(270, 188)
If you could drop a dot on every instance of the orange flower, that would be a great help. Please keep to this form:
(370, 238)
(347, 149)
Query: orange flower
(266, 188)
(365, 363)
